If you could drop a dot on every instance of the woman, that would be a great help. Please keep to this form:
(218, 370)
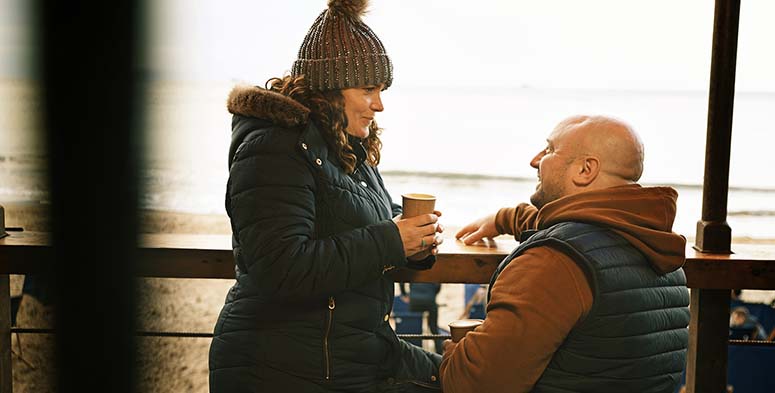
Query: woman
(314, 229)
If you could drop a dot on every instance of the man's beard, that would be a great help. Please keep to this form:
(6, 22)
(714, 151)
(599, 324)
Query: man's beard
(540, 197)
(537, 199)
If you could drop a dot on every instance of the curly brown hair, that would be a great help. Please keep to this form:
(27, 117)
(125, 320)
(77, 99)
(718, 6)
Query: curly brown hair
(327, 111)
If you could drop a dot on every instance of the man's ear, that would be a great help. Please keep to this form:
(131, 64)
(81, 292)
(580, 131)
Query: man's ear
(587, 172)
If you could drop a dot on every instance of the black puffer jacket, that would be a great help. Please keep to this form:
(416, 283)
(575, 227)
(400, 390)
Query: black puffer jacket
(309, 311)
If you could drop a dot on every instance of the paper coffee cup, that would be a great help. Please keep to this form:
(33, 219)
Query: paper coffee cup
(459, 328)
(417, 204)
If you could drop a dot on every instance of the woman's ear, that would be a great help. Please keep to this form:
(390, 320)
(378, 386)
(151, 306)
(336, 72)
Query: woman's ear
(587, 172)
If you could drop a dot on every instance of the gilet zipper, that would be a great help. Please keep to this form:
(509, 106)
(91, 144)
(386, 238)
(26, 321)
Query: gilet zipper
(326, 348)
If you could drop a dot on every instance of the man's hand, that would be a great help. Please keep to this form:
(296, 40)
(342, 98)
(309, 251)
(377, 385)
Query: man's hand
(477, 230)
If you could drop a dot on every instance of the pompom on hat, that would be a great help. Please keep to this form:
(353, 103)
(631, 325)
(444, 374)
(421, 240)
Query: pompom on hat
(340, 51)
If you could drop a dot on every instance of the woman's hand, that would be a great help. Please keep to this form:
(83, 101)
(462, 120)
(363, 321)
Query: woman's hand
(419, 234)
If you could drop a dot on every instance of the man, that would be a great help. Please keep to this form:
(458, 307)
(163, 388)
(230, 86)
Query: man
(595, 300)
(744, 326)
(422, 297)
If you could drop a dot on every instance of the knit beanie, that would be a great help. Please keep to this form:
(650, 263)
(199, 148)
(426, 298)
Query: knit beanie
(340, 51)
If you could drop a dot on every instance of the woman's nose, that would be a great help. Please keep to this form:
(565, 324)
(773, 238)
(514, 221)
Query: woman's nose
(376, 103)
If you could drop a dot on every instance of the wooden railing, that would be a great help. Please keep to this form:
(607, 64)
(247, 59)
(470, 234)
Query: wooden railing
(210, 256)
(750, 266)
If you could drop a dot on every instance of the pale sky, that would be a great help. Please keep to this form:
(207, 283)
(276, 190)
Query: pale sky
(659, 44)
(607, 44)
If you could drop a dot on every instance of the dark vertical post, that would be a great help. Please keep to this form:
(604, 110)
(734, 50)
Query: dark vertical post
(706, 360)
(6, 374)
(87, 66)
(713, 232)
(708, 328)
(2, 222)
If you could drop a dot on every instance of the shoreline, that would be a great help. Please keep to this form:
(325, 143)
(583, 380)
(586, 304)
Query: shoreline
(31, 216)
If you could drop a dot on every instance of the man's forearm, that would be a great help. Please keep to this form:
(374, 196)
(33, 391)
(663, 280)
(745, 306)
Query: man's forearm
(515, 220)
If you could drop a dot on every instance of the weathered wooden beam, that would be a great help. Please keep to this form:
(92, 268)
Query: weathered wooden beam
(707, 365)
(730, 274)
(6, 371)
(453, 268)
(752, 266)
(713, 232)
(2, 222)
(706, 369)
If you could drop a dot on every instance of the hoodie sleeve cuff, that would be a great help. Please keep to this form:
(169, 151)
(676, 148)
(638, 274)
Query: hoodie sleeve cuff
(504, 220)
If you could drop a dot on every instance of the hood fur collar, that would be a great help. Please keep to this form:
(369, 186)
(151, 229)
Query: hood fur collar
(261, 103)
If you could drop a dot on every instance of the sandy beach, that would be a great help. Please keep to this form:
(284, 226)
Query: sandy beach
(182, 305)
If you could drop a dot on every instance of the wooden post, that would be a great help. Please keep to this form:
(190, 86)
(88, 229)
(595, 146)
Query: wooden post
(90, 63)
(709, 324)
(6, 372)
(713, 232)
(2, 222)
(706, 361)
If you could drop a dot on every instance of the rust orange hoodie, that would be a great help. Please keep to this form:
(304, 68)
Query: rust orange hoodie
(543, 294)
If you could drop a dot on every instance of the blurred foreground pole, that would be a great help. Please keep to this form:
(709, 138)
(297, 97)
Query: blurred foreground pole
(87, 68)
(709, 326)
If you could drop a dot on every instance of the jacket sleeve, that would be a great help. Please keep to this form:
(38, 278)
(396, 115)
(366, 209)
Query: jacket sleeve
(272, 208)
(515, 220)
(535, 302)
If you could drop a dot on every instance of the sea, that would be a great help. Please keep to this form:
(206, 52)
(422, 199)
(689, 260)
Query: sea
(469, 146)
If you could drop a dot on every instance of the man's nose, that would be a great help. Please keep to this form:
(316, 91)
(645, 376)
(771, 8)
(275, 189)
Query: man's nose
(537, 160)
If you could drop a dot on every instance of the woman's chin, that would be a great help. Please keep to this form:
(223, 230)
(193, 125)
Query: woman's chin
(360, 133)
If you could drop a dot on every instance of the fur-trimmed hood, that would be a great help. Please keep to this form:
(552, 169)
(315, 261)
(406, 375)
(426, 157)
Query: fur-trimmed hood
(255, 107)
(253, 101)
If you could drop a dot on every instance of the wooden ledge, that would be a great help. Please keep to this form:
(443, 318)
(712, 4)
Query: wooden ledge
(751, 266)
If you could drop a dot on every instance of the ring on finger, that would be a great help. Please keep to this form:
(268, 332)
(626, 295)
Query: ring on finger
(422, 243)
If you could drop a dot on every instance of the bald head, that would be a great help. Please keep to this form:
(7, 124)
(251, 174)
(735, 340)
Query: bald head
(584, 153)
(612, 141)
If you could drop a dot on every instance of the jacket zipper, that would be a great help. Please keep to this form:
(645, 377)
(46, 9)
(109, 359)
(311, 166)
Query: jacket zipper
(327, 350)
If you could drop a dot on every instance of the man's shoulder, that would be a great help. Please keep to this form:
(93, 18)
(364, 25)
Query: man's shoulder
(574, 237)
(570, 229)
(541, 261)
